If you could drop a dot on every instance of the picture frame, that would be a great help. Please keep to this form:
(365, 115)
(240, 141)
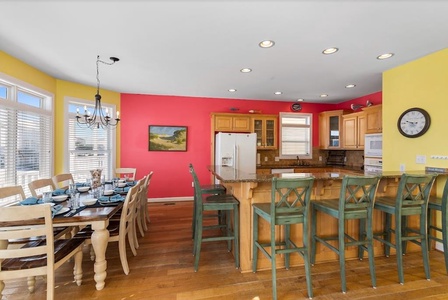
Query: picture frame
(167, 138)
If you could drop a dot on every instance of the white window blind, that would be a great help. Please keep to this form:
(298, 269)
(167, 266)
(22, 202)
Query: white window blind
(295, 135)
(26, 137)
(88, 149)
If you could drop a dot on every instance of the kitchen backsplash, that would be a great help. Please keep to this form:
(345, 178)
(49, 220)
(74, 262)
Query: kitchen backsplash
(354, 159)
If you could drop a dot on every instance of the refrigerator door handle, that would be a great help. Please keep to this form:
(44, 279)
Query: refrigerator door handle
(235, 156)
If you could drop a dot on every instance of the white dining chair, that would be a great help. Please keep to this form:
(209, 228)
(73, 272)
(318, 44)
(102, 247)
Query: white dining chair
(38, 186)
(123, 172)
(62, 180)
(40, 257)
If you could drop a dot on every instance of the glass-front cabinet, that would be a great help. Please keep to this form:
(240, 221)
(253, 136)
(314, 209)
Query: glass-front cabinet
(266, 129)
(330, 125)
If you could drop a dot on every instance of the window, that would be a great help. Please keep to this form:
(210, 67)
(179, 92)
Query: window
(295, 135)
(88, 149)
(26, 134)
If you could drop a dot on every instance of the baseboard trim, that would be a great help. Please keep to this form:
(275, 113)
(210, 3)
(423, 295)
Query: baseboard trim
(170, 199)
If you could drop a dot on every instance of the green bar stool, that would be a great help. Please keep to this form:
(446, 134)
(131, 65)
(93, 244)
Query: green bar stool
(213, 189)
(411, 200)
(356, 200)
(439, 204)
(290, 199)
(223, 204)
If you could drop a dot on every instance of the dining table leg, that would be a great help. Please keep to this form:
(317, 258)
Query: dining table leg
(100, 238)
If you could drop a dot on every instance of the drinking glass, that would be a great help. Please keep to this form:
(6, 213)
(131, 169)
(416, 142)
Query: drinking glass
(46, 197)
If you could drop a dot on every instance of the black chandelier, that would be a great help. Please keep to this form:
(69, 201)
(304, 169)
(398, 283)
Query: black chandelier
(99, 118)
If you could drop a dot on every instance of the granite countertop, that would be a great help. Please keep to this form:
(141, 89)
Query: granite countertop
(229, 174)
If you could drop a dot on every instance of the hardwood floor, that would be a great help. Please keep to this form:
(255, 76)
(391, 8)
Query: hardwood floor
(163, 270)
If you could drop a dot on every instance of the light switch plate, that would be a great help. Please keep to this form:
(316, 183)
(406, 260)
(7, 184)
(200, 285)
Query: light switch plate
(420, 159)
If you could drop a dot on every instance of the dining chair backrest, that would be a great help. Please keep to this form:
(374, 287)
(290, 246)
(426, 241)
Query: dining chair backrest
(62, 180)
(358, 192)
(127, 218)
(123, 172)
(290, 199)
(21, 214)
(414, 190)
(38, 186)
(12, 191)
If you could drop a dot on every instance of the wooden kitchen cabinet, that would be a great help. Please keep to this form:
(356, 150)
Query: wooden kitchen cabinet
(232, 123)
(374, 118)
(353, 130)
(330, 127)
(265, 126)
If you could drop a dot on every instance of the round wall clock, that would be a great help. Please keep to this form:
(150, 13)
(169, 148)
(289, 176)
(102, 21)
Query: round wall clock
(414, 122)
(296, 107)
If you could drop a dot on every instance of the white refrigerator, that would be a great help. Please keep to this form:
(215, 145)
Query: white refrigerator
(237, 150)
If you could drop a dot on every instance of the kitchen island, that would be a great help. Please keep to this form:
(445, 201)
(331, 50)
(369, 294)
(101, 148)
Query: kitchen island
(256, 188)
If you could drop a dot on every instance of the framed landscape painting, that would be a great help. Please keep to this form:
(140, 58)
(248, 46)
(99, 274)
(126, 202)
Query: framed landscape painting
(167, 138)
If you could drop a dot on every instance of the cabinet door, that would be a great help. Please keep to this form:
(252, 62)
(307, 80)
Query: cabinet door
(374, 122)
(362, 128)
(241, 124)
(330, 125)
(266, 130)
(350, 132)
(223, 123)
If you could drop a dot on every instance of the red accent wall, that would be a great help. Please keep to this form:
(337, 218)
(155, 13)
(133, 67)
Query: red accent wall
(171, 176)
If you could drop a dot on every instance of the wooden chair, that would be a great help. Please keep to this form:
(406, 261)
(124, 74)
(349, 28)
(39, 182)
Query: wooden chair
(290, 202)
(12, 191)
(41, 257)
(123, 172)
(213, 189)
(356, 200)
(121, 229)
(441, 205)
(38, 186)
(62, 180)
(411, 200)
(223, 203)
(143, 215)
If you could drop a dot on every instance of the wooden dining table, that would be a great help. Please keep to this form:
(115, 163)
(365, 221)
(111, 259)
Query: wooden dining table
(98, 218)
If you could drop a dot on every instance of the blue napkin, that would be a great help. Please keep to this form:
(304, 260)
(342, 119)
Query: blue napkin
(31, 201)
(122, 189)
(55, 209)
(79, 184)
(58, 192)
(114, 198)
(131, 183)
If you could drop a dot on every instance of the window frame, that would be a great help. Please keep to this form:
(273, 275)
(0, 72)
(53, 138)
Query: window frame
(310, 126)
(46, 110)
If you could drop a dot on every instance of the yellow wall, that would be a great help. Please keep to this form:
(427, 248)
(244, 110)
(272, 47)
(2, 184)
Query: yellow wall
(421, 83)
(60, 89)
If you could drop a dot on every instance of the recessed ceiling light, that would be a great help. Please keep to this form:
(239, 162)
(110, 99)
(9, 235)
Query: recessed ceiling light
(323, 95)
(245, 70)
(278, 93)
(266, 44)
(232, 90)
(349, 86)
(330, 50)
(300, 100)
(385, 56)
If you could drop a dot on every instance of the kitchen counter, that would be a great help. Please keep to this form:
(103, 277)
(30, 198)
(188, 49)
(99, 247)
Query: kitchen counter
(251, 188)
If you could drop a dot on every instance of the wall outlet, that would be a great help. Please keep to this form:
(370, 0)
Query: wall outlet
(277, 158)
(265, 158)
(320, 158)
(402, 167)
(420, 159)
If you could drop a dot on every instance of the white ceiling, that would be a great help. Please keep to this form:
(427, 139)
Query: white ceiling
(196, 48)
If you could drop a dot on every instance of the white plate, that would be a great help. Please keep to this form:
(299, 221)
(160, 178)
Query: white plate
(108, 192)
(64, 210)
(121, 184)
(59, 198)
(89, 201)
(83, 189)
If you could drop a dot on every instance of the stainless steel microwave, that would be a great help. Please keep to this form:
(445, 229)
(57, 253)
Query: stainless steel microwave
(373, 146)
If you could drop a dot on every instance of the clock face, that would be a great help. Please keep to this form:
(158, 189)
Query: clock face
(414, 122)
(296, 107)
